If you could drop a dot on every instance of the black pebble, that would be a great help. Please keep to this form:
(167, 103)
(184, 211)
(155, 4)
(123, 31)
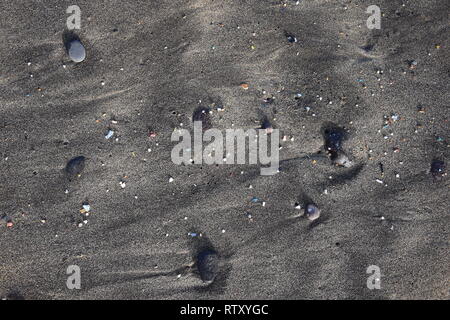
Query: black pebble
(438, 169)
(368, 48)
(202, 114)
(290, 37)
(75, 166)
(208, 265)
(333, 141)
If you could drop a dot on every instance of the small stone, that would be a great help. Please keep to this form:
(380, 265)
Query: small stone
(343, 160)
(76, 51)
(244, 86)
(438, 169)
(208, 265)
(266, 125)
(204, 115)
(291, 38)
(75, 166)
(333, 140)
(312, 212)
(255, 200)
(109, 134)
(412, 64)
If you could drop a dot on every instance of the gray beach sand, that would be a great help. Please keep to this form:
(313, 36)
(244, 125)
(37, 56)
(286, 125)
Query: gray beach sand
(149, 65)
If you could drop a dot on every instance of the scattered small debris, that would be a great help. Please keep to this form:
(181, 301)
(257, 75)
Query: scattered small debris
(109, 134)
(255, 200)
(342, 160)
(86, 207)
(151, 133)
(244, 86)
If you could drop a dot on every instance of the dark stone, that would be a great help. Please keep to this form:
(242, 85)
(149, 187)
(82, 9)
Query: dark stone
(75, 166)
(202, 114)
(290, 37)
(438, 169)
(368, 48)
(266, 125)
(334, 138)
(208, 265)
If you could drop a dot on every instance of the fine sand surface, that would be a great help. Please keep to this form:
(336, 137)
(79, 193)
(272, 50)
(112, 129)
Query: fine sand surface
(149, 65)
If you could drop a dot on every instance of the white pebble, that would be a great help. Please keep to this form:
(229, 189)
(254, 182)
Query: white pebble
(76, 51)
